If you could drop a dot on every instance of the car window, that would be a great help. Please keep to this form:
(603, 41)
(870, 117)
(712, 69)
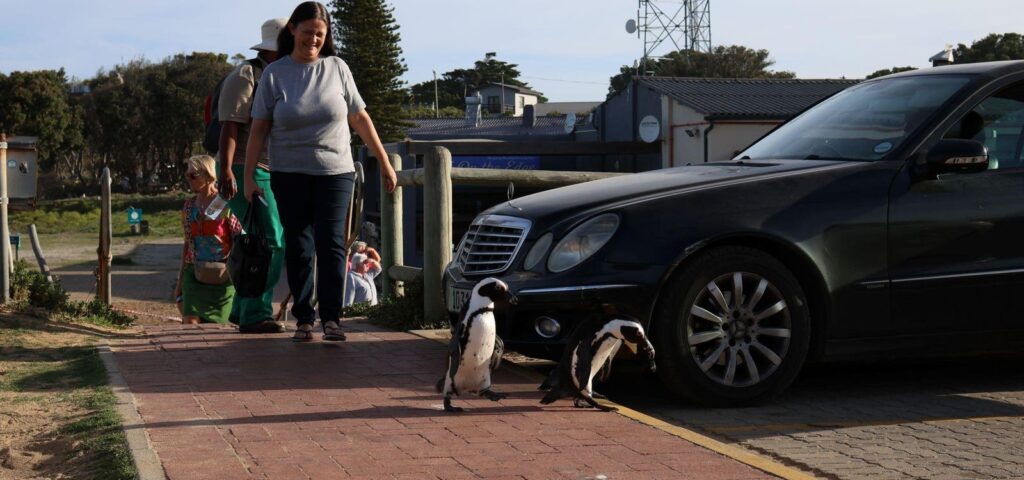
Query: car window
(998, 122)
(863, 122)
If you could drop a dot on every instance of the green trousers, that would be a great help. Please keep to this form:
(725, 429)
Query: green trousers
(254, 310)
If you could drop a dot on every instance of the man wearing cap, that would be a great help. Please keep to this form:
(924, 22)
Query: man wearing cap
(253, 315)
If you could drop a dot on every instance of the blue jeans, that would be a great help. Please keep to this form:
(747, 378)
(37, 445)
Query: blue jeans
(313, 209)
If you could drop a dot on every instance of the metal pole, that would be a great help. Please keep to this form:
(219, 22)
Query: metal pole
(103, 291)
(5, 233)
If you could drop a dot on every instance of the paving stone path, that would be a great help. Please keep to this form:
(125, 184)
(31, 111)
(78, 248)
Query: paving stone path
(221, 405)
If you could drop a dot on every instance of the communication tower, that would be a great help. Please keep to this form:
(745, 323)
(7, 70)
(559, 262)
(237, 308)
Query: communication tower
(684, 24)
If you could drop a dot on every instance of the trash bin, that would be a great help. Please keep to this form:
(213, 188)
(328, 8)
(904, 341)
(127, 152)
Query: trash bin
(144, 227)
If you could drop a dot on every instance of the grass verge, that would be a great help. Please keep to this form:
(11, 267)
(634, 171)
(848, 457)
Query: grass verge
(63, 422)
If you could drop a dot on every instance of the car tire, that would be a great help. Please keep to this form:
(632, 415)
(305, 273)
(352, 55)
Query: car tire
(718, 352)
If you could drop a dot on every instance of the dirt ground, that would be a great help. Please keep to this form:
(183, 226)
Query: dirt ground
(40, 397)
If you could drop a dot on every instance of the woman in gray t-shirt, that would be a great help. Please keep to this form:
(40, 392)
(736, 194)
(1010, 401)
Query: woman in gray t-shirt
(305, 103)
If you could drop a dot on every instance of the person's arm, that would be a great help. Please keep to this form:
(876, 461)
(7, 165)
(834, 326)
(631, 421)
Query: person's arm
(372, 253)
(228, 145)
(363, 125)
(258, 131)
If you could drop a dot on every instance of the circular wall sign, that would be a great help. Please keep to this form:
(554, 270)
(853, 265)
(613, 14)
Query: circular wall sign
(650, 129)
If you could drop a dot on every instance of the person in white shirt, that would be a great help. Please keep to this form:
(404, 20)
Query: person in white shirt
(359, 287)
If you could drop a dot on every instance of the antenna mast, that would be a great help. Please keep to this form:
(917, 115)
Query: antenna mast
(686, 24)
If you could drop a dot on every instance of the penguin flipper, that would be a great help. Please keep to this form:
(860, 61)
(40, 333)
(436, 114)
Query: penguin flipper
(499, 350)
(606, 369)
(454, 355)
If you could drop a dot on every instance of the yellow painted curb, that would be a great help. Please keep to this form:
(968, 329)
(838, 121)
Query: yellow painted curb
(735, 453)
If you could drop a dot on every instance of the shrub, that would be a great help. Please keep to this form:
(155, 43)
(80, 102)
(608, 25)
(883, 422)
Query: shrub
(398, 313)
(29, 287)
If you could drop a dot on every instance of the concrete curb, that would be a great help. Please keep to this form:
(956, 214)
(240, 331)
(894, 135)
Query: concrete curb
(766, 465)
(147, 463)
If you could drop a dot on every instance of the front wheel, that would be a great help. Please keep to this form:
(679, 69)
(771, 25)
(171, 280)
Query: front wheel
(734, 326)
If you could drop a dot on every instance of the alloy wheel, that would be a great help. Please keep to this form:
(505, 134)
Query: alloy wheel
(739, 329)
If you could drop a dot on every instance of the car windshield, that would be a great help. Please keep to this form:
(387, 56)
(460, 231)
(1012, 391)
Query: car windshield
(863, 122)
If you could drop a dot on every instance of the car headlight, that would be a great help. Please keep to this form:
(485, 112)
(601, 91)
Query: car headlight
(538, 251)
(582, 242)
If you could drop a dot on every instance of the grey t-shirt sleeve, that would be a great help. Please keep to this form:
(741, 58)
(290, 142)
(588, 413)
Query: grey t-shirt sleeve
(264, 101)
(352, 98)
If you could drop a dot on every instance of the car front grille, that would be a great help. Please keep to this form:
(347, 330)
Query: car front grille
(491, 243)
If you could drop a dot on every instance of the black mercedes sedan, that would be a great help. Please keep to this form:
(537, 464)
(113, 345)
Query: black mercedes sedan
(887, 219)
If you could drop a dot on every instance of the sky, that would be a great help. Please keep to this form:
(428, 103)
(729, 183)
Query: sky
(566, 49)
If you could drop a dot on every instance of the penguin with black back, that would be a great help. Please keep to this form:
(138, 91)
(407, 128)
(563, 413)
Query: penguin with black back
(589, 353)
(475, 349)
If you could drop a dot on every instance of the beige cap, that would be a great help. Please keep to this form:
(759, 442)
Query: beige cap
(270, 29)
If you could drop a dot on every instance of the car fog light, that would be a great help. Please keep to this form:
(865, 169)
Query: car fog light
(547, 327)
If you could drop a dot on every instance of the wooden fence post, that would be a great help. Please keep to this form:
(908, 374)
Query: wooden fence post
(437, 230)
(391, 236)
(37, 249)
(103, 288)
(5, 252)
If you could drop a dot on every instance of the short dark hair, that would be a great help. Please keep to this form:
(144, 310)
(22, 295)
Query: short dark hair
(306, 11)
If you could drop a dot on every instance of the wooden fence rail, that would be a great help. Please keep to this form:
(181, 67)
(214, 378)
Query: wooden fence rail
(437, 177)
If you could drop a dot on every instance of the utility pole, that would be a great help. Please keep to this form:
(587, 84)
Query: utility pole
(436, 115)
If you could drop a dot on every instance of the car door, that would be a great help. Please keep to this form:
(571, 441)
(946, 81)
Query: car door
(957, 241)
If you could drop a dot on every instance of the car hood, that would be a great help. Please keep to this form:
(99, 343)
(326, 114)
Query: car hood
(653, 184)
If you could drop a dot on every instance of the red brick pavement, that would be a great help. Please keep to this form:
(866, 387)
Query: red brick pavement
(222, 405)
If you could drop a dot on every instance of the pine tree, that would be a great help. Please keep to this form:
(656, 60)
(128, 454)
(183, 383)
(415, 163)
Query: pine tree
(367, 39)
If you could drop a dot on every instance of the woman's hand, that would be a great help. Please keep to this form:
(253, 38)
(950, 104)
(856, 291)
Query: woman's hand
(250, 188)
(227, 185)
(387, 175)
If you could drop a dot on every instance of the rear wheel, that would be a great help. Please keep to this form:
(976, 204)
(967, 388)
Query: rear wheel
(734, 328)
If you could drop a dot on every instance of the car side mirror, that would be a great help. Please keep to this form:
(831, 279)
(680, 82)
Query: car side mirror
(957, 156)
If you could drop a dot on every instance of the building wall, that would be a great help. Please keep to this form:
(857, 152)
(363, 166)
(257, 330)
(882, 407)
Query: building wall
(689, 131)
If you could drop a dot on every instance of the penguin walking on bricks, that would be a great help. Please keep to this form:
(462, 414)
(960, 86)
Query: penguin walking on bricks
(589, 353)
(475, 349)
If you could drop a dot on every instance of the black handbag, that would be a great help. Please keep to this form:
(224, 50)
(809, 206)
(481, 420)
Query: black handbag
(249, 260)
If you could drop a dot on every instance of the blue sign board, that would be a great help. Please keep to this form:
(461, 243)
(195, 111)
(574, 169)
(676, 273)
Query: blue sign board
(503, 162)
(134, 215)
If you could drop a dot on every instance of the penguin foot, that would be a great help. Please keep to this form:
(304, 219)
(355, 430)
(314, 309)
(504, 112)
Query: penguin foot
(590, 402)
(449, 408)
(492, 395)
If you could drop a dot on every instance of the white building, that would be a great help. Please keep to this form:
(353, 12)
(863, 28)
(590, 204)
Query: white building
(498, 98)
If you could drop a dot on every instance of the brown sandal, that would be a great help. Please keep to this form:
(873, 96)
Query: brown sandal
(332, 332)
(304, 333)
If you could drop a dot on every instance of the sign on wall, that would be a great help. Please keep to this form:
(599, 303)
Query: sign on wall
(504, 162)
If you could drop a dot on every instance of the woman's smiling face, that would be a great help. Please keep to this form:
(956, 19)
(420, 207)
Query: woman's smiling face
(309, 39)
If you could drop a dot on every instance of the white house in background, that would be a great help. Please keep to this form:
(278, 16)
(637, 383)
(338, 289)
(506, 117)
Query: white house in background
(498, 98)
(698, 120)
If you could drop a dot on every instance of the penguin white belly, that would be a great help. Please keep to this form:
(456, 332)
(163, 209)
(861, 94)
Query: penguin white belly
(606, 350)
(474, 372)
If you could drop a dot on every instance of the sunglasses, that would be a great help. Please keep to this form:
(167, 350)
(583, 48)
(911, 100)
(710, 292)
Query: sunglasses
(193, 175)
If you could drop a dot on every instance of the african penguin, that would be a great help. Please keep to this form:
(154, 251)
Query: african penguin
(475, 349)
(590, 350)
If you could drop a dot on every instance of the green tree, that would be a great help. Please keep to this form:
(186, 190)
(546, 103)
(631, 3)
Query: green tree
(369, 42)
(37, 104)
(734, 61)
(1008, 46)
(454, 85)
(888, 71)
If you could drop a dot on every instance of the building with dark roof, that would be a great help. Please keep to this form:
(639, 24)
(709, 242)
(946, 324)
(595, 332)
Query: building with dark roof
(703, 119)
(490, 128)
(502, 97)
